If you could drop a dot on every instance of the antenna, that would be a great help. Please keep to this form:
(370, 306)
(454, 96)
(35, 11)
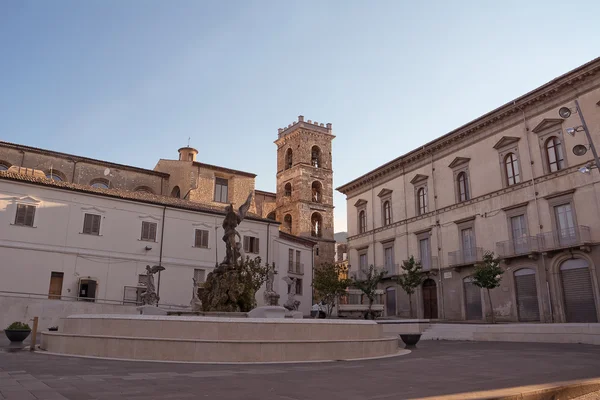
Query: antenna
(189, 141)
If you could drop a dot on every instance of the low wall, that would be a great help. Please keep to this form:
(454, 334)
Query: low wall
(51, 311)
(403, 326)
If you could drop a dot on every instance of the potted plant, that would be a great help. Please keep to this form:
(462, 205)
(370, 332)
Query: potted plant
(17, 331)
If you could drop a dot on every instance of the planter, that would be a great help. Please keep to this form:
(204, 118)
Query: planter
(17, 335)
(410, 340)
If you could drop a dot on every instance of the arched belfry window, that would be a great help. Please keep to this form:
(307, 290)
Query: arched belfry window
(288, 190)
(315, 157)
(271, 216)
(554, 154)
(287, 222)
(317, 190)
(316, 223)
(288, 159)
(176, 192)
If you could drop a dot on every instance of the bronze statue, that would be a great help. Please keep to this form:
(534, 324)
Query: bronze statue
(231, 221)
(149, 296)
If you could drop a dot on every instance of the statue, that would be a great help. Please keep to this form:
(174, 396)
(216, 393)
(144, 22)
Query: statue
(149, 296)
(271, 297)
(291, 304)
(231, 221)
(196, 303)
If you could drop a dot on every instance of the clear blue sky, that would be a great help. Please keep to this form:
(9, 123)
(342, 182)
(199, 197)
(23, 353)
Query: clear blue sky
(130, 81)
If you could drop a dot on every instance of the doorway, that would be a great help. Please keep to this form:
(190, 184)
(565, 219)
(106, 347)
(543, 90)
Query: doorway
(473, 308)
(430, 304)
(390, 301)
(56, 284)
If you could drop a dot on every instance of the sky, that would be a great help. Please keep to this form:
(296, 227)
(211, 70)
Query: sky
(130, 81)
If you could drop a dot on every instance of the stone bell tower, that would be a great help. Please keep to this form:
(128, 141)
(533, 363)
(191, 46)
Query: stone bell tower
(305, 184)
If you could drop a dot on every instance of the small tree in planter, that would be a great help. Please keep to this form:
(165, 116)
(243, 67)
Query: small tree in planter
(17, 331)
(488, 275)
(411, 279)
(369, 287)
(329, 285)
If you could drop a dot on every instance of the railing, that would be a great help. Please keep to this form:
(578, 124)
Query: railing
(466, 256)
(576, 236)
(355, 297)
(296, 268)
(392, 270)
(516, 247)
(360, 274)
(427, 264)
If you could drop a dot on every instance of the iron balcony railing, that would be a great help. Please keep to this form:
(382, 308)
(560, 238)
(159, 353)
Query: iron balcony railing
(428, 263)
(465, 256)
(296, 268)
(362, 274)
(575, 236)
(391, 269)
(516, 247)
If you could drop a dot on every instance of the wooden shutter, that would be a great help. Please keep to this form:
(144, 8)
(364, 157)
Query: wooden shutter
(96, 224)
(527, 298)
(20, 218)
(246, 243)
(152, 231)
(204, 238)
(256, 248)
(579, 295)
(29, 214)
(87, 223)
(145, 230)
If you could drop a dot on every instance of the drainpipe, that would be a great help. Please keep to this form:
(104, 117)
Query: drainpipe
(405, 209)
(162, 239)
(438, 236)
(373, 226)
(74, 167)
(268, 232)
(22, 157)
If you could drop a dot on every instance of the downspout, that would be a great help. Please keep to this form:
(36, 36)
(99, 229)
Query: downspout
(438, 236)
(268, 237)
(74, 167)
(537, 212)
(162, 233)
(405, 209)
(373, 226)
(22, 157)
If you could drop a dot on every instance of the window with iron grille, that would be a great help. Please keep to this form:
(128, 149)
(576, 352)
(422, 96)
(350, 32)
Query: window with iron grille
(25, 215)
(148, 231)
(91, 224)
(201, 238)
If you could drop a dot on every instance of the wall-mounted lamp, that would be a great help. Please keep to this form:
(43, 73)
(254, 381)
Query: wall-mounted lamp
(148, 248)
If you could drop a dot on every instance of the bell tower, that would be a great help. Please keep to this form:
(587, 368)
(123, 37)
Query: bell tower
(305, 184)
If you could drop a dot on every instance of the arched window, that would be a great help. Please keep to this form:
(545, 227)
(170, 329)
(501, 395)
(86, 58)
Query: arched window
(176, 192)
(422, 200)
(4, 167)
(554, 154)
(288, 190)
(387, 213)
(315, 157)
(144, 189)
(99, 183)
(287, 222)
(288, 159)
(512, 169)
(362, 222)
(463, 187)
(54, 175)
(316, 191)
(271, 216)
(316, 223)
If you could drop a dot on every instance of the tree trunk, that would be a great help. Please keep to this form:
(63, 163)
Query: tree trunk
(491, 306)
(410, 305)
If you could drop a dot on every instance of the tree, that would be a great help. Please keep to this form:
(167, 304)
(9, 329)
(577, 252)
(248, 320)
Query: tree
(411, 279)
(488, 275)
(369, 287)
(329, 284)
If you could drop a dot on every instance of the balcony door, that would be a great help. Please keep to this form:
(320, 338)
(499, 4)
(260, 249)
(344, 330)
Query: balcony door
(565, 224)
(388, 254)
(468, 245)
(425, 250)
(519, 234)
(390, 301)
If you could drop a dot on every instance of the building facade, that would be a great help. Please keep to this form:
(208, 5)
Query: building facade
(77, 242)
(507, 182)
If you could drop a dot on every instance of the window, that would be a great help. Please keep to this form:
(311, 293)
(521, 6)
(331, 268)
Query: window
(316, 223)
(199, 275)
(388, 257)
(387, 213)
(221, 190)
(54, 176)
(91, 224)
(299, 286)
(25, 215)
(316, 250)
(468, 244)
(288, 190)
(463, 187)
(565, 224)
(287, 222)
(176, 192)
(554, 154)
(316, 191)
(363, 266)
(288, 159)
(362, 221)
(291, 260)
(190, 157)
(99, 183)
(425, 253)
(251, 244)
(201, 238)
(271, 216)
(148, 231)
(315, 157)
(422, 200)
(3, 167)
(512, 169)
(518, 230)
(144, 189)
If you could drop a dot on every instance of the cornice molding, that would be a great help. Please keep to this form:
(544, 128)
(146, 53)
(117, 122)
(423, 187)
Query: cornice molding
(515, 206)
(558, 194)
(547, 123)
(384, 192)
(506, 141)
(418, 179)
(360, 203)
(458, 161)
(463, 220)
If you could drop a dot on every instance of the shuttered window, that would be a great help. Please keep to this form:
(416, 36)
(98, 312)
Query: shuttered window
(25, 215)
(472, 300)
(578, 292)
(149, 231)
(91, 224)
(527, 298)
(201, 238)
(251, 244)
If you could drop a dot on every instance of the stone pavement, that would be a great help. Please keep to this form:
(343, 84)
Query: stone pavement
(434, 369)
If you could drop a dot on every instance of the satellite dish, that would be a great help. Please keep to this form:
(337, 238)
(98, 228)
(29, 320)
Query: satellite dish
(564, 112)
(579, 150)
(106, 171)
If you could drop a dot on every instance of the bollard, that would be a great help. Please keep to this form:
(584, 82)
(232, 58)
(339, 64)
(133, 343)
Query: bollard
(34, 334)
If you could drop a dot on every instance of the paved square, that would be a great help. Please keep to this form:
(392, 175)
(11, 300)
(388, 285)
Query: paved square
(435, 368)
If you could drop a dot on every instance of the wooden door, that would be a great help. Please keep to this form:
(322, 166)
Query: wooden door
(56, 283)
(390, 302)
(430, 299)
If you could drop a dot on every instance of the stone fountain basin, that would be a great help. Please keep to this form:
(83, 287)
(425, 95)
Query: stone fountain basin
(218, 339)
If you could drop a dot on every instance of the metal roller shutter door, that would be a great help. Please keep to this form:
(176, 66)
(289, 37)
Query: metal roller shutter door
(527, 299)
(473, 301)
(579, 296)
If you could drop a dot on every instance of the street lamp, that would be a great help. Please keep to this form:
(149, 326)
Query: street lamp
(565, 112)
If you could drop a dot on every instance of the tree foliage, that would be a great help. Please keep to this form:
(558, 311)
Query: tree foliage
(368, 285)
(411, 279)
(488, 275)
(329, 284)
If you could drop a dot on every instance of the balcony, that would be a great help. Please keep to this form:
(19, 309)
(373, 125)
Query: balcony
(466, 257)
(355, 303)
(578, 236)
(296, 268)
(360, 274)
(523, 246)
(428, 264)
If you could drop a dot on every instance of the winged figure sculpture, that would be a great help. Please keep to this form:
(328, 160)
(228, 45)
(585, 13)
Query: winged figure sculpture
(231, 221)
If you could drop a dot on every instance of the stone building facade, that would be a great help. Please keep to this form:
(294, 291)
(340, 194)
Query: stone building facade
(304, 196)
(507, 182)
